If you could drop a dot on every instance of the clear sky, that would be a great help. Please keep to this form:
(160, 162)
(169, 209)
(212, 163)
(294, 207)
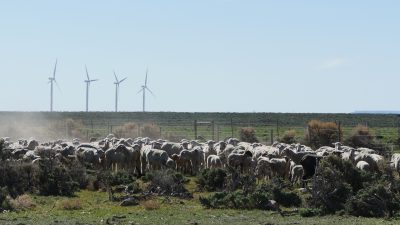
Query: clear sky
(202, 55)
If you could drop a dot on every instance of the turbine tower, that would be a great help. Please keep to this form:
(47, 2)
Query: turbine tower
(88, 81)
(117, 82)
(143, 89)
(52, 80)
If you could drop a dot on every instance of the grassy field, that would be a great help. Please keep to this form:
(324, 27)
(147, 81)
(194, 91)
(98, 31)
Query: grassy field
(96, 209)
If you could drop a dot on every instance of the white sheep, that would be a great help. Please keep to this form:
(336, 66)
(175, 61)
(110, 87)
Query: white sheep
(214, 161)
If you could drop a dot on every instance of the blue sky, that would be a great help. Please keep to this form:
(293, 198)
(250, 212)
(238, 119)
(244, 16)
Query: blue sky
(203, 56)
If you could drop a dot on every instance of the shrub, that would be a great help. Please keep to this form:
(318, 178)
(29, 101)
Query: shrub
(248, 134)
(286, 198)
(78, 174)
(22, 202)
(75, 128)
(18, 178)
(322, 133)
(150, 130)
(55, 179)
(279, 192)
(6, 204)
(121, 178)
(71, 204)
(361, 136)
(306, 212)
(331, 189)
(289, 137)
(168, 182)
(256, 199)
(151, 205)
(211, 179)
(127, 130)
(347, 172)
(374, 201)
(133, 188)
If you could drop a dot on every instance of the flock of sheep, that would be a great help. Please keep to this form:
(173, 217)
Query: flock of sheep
(290, 161)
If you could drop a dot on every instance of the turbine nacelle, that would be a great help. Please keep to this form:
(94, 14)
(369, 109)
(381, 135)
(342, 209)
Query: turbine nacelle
(143, 89)
(88, 81)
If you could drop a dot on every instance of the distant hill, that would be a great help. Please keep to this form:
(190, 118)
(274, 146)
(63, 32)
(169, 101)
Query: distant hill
(376, 112)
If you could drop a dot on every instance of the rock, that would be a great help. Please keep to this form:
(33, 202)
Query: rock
(129, 202)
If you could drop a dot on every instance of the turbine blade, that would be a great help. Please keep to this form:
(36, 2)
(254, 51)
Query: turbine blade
(55, 69)
(145, 81)
(116, 78)
(139, 91)
(122, 80)
(87, 73)
(150, 91)
(58, 87)
(93, 80)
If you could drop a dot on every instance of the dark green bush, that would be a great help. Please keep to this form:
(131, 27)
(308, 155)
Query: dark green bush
(330, 189)
(211, 179)
(54, 179)
(168, 182)
(306, 212)
(256, 199)
(374, 201)
(133, 188)
(347, 172)
(286, 198)
(121, 178)
(18, 178)
(279, 191)
(79, 175)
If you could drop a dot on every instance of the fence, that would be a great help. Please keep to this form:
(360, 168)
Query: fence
(267, 131)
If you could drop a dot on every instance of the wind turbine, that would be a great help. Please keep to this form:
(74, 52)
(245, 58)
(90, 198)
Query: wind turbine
(88, 81)
(144, 88)
(52, 80)
(117, 82)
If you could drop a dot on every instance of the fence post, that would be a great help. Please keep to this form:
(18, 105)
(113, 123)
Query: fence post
(138, 130)
(91, 123)
(217, 132)
(398, 130)
(309, 134)
(66, 130)
(340, 133)
(195, 129)
(232, 127)
(213, 130)
(277, 128)
(160, 133)
(272, 136)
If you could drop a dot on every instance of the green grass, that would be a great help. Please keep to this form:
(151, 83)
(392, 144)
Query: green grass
(96, 209)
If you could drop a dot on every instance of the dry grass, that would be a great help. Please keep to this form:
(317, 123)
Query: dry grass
(361, 136)
(289, 137)
(71, 204)
(322, 133)
(22, 202)
(151, 205)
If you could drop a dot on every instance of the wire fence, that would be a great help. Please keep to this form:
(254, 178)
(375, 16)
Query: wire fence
(266, 131)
